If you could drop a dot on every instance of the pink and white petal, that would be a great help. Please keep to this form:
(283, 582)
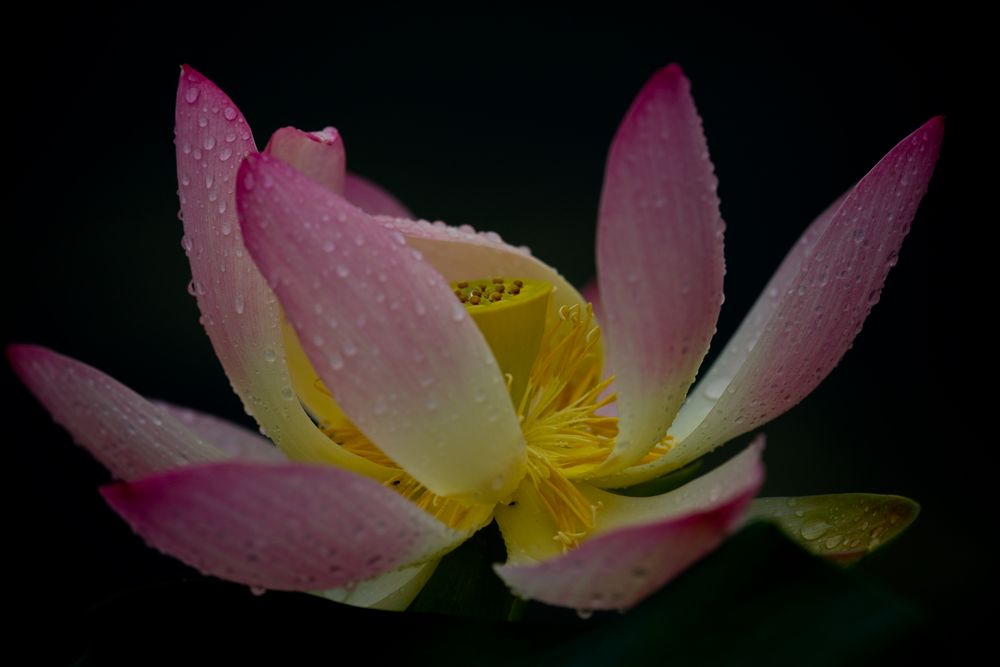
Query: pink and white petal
(125, 432)
(233, 440)
(392, 591)
(461, 253)
(822, 309)
(318, 155)
(641, 547)
(239, 311)
(710, 388)
(385, 334)
(660, 261)
(284, 526)
(373, 199)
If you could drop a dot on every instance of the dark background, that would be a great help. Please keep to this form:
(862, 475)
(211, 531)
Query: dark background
(501, 121)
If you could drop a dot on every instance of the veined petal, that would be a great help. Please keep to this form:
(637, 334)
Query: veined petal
(641, 543)
(660, 263)
(318, 155)
(239, 312)
(392, 591)
(461, 253)
(125, 432)
(385, 334)
(800, 339)
(373, 199)
(284, 526)
(232, 439)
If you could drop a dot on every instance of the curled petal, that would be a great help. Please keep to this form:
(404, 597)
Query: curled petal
(373, 199)
(385, 334)
(232, 439)
(125, 432)
(318, 155)
(239, 311)
(795, 343)
(282, 526)
(660, 263)
(641, 543)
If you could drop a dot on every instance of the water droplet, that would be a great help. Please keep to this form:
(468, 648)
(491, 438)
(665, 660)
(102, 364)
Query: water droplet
(209, 143)
(457, 312)
(715, 388)
(270, 355)
(229, 113)
(187, 243)
(343, 271)
(191, 95)
(329, 246)
(812, 530)
(240, 304)
(832, 542)
(225, 153)
(859, 235)
(287, 393)
(584, 613)
(258, 590)
(359, 240)
(336, 362)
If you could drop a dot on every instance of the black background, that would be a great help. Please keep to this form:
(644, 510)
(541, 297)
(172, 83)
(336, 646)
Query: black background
(501, 121)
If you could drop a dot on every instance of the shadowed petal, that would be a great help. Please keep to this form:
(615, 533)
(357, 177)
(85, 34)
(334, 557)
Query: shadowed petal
(239, 312)
(318, 155)
(385, 333)
(373, 199)
(283, 526)
(125, 432)
(839, 279)
(641, 543)
(392, 591)
(234, 440)
(660, 264)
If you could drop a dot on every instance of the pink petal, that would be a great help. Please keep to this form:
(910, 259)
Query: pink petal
(821, 309)
(385, 334)
(373, 199)
(233, 440)
(660, 263)
(617, 569)
(318, 155)
(238, 310)
(125, 432)
(461, 253)
(280, 526)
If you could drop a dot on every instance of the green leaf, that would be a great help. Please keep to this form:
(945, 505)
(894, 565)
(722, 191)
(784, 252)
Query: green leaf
(758, 600)
(843, 527)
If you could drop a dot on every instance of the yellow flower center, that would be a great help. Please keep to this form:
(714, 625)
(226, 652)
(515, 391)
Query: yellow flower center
(552, 362)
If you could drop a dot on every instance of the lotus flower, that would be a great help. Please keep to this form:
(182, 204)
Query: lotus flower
(421, 380)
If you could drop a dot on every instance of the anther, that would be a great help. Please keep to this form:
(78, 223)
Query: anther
(498, 281)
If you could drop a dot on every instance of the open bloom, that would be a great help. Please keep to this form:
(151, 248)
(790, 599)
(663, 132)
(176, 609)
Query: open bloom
(421, 381)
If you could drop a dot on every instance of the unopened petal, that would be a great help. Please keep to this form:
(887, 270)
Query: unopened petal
(373, 199)
(283, 526)
(660, 263)
(318, 155)
(385, 333)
